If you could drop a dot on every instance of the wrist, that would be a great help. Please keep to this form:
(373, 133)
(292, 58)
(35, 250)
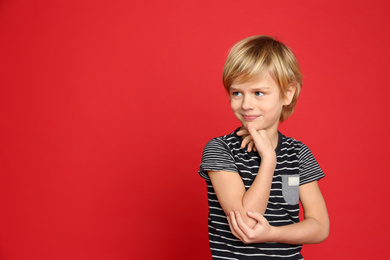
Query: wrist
(269, 158)
(273, 234)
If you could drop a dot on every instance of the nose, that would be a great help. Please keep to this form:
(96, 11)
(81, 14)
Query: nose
(247, 103)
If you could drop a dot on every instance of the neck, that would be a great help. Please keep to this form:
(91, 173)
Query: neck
(274, 138)
(273, 134)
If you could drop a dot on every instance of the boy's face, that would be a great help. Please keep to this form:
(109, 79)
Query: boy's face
(259, 102)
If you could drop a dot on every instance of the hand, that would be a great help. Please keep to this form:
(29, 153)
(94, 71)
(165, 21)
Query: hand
(262, 142)
(260, 233)
(246, 140)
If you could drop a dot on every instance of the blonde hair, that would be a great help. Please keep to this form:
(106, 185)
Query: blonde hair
(254, 57)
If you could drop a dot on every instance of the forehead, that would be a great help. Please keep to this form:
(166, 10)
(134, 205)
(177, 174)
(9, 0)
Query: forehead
(262, 83)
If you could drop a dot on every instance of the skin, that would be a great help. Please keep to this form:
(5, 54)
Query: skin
(313, 229)
(258, 105)
(230, 189)
(259, 102)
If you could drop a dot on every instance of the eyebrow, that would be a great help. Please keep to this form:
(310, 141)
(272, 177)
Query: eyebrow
(255, 88)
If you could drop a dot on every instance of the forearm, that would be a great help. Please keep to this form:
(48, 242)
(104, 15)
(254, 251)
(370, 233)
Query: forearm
(230, 189)
(313, 229)
(257, 196)
(308, 231)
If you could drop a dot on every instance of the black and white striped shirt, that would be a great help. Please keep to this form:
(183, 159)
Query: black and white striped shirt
(296, 166)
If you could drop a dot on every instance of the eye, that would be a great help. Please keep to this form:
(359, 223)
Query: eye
(259, 94)
(236, 93)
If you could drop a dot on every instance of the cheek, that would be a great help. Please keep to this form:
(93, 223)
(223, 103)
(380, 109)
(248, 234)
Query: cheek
(234, 104)
(273, 107)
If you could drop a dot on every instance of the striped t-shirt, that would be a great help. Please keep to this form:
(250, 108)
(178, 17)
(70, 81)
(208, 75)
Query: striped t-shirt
(295, 166)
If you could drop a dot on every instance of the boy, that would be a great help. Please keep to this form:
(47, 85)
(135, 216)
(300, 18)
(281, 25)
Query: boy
(254, 193)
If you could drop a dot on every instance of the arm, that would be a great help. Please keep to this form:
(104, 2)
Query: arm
(313, 229)
(230, 189)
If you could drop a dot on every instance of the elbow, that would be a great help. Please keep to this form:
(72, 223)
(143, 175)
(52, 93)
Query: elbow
(323, 233)
(319, 230)
(326, 232)
(241, 213)
(323, 236)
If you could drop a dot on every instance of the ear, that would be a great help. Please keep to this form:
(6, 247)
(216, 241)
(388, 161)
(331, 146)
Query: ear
(289, 94)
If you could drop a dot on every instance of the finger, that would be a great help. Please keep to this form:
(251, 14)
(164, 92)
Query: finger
(251, 146)
(244, 228)
(233, 224)
(257, 216)
(247, 139)
(256, 137)
(242, 132)
(232, 229)
(261, 140)
(253, 132)
(237, 230)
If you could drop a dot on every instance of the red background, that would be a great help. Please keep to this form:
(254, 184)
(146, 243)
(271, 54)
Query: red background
(105, 107)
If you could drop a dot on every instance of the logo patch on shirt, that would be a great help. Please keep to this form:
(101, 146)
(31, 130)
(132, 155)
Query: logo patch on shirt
(293, 181)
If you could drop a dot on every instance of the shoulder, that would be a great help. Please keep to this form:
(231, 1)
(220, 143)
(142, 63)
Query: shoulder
(291, 143)
(308, 166)
(224, 142)
(218, 155)
(290, 146)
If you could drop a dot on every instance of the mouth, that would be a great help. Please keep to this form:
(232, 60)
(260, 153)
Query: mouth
(249, 117)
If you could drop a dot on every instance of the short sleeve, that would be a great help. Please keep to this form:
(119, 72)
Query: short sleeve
(216, 157)
(309, 168)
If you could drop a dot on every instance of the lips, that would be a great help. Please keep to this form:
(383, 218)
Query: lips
(249, 117)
